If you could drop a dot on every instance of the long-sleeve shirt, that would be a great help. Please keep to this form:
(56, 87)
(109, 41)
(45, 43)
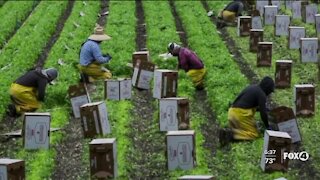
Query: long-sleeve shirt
(90, 52)
(252, 97)
(189, 60)
(236, 7)
(35, 79)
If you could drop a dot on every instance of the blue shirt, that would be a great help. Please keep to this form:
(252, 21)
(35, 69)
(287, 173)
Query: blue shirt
(90, 52)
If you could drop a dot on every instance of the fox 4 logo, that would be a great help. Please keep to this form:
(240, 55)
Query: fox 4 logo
(302, 156)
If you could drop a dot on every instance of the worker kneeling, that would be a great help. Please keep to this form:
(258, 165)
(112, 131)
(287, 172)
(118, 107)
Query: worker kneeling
(91, 58)
(241, 113)
(229, 13)
(28, 90)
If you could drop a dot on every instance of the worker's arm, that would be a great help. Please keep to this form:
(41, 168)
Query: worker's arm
(263, 110)
(42, 83)
(96, 52)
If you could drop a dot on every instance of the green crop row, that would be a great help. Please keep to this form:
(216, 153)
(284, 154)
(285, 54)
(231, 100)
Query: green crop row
(302, 73)
(23, 49)
(161, 30)
(121, 27)
(224, 82)
(13, 14)
(40, 164)
(223, 79)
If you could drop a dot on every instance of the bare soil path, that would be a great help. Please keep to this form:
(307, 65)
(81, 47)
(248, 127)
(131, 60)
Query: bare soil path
(69, 164)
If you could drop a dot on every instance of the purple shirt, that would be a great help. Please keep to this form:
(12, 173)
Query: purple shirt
(189, 60)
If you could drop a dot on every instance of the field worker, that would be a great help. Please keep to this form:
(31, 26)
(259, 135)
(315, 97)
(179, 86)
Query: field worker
(241, 113)
(28, 90)
(230, 12)
(190, 63)
(91, 58)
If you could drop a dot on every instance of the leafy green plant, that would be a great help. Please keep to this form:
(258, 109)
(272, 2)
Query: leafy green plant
(302, 73)
(15, 57)
(40, 164)
(13, 14)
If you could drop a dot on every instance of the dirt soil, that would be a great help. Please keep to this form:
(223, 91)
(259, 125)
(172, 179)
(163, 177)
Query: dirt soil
(147, 141)
(306, 170)
(69, 164)
(141, 31)
(201, 106)
(180, 29)
(43, 56)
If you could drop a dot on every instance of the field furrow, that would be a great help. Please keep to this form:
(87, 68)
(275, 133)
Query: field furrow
(14, 14)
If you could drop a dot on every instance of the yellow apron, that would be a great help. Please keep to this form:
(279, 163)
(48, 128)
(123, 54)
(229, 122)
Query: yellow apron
(197, 76)
(95, 71)
(242, 123)
(24, 98)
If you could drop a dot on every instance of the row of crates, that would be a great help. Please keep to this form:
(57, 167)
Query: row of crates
(283, 119)
(304, 94)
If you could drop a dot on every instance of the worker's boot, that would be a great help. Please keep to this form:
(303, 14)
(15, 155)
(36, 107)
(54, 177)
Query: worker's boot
(225, 136)
(84, 78)
(11, 111)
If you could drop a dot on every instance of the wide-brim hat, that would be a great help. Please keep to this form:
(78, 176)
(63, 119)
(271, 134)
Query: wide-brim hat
(99, 35)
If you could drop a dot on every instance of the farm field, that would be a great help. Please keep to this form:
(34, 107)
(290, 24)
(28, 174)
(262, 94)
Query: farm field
(43, 34)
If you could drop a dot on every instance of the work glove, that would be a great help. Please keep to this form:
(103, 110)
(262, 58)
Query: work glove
(103, 69)
(108, 56)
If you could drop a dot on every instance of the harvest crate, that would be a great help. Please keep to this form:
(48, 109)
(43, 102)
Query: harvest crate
(174, 114)
(36, 130)
(317, 23)
(117, 89)
(283, 73)
(296, 10)
(264, 54)
(12, 169)
(283, 119)
(304, 100)
(78, 96)
(256, 22)
(260, 6)
(281, 25)
(256, 36)
(244, 25)
(275, 143)
(309, 50)
(94, 119)
(295, 34)
(142, 74)
(308, 12)
(181, 150)
(270, 13)
(103, 158)
(140, 55)
(165, 83)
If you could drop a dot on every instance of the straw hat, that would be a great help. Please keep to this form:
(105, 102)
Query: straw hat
(99, 35)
